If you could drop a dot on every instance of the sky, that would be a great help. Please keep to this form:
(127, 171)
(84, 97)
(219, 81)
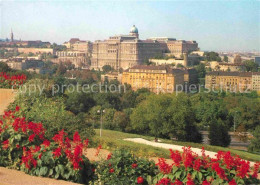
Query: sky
(215, 25)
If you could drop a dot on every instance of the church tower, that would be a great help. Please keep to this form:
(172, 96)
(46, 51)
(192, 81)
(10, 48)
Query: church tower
(12, 36)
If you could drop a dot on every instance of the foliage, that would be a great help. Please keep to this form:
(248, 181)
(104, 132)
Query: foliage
(4, 67)
(166, 116)
(189, 168)
(225, 58)
(79, 102)
(39, 105)
(11, 81)
(201, 70)
(255, 142)
(25, 147)
(107, 68)
(250, 65)
(212, 56)
(122, 167)
(218, 133)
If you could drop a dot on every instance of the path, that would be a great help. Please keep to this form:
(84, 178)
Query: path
(174, 147)
(6, 97)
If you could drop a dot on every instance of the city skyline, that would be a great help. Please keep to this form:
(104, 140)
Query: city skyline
(223, 25)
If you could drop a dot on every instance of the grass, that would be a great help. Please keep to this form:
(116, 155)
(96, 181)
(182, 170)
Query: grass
(112, 140)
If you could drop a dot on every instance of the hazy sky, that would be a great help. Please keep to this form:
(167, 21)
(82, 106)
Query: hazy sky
(215, 25)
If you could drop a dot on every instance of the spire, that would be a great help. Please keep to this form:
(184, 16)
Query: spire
(12, 35)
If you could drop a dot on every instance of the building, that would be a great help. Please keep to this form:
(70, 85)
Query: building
(257, 60)
(256, 81)
(83, 46)
(75, 44)
(36, 66)
(78, 58)
(19, 43)
(232, 81)
(111, 76)
(158, 79)
(124, 51)
(225, 66)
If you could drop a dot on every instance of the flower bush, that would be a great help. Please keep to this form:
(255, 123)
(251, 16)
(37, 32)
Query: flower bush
(11, 81)
(188, 168)
(122, 167)
(25, 147)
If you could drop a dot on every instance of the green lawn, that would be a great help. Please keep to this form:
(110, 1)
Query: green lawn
(112, 140)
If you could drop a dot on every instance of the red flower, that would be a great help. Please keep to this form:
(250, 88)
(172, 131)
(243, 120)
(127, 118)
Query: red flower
(165, 181)
(190, 181)
(17, 108)
(57, 152)
(134, 165)
(40, 156)
(177, 182)
(31, 137)
(205, 182)
(163, 166)
(109, 156)
(256, 169)
(76, 137)
(243, 168)
(112, 170)
(232, 182)
(17, 146)
(176, 157)
(197, 164)
(5, 144)
(140, 180)
(46, 143)
(218, 170)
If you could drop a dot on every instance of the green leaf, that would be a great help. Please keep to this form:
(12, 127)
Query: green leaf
(50, 172)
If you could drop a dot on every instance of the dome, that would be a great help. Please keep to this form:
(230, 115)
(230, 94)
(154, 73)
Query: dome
(134, 29)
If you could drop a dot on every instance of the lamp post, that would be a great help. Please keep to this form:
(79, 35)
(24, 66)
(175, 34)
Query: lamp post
(235, 121)
(101, 120)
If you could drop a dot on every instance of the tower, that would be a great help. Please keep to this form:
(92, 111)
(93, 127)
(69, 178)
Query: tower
(134, 32)
(185, 56)
(12, 36)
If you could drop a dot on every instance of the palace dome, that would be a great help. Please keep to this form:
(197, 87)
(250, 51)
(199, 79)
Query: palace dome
(134, 29)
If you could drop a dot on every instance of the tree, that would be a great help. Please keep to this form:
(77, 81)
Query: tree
(201, 70)
(255, 142)
(250, 65)
(108, 117)
(218, 133)
(120, 121)
(79, 102)
(167, 116)
(61, 69)
(107, 68)
(179, 65)
(4, 67)
(212, 56)
(225, 58)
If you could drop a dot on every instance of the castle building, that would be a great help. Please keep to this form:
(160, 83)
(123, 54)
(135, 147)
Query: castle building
(158, 79)
(126, 51)
(123, 51)
(75, 44)
(233, 81)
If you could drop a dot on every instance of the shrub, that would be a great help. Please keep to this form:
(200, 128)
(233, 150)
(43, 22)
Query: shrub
(255, 142)
(122, 167)
(218, 134)
(11, 81)
(189, 168)
(25, 147)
